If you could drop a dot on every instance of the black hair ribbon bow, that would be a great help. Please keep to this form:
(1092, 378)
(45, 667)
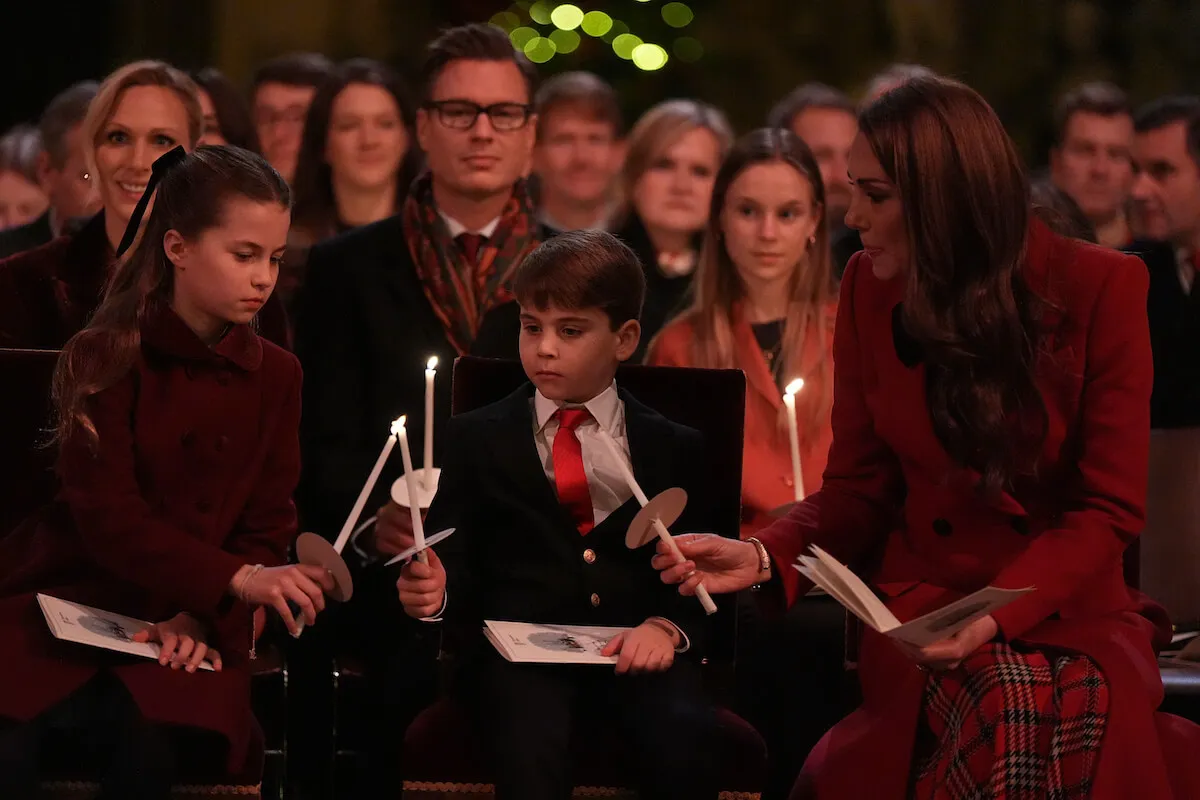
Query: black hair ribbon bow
(158, 169)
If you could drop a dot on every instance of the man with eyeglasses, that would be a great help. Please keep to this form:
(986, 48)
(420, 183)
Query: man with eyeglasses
(280, 94)
(380, 300)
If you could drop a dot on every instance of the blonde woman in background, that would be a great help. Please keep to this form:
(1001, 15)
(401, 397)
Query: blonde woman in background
(673, 155)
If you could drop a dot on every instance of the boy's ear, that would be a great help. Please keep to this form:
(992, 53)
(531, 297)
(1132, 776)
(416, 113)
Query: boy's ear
(628, 336)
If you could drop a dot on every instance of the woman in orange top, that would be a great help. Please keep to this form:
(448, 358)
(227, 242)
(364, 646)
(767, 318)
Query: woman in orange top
(765, 303)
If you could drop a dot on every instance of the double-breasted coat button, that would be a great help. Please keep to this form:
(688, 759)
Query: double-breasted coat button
(942, 527)
(589, 556)
(595, 599)
(204, 506)
(789, 481)
(1020, 525)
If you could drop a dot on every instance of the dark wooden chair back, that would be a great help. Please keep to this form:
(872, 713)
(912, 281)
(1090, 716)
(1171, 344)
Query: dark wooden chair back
(24, 432)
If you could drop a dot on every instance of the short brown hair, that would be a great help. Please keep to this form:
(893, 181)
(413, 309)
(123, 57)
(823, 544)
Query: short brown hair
(1098, 97)
(65, 111)
(293, 69)
(474, 42)
(580, 270)
(583, 93)
(802, 98)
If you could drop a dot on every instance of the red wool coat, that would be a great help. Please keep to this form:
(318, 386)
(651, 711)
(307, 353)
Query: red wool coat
(900, 512)
(767, 481)
(198, 458)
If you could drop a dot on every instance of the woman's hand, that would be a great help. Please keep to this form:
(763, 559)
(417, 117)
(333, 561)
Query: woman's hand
(183, 642)
(949, 653)
(302, 584)
(646, 648)
(722, 565)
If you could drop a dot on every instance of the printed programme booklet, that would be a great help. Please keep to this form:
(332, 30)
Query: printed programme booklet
(74, 622)
(527, 642)
(848, 589)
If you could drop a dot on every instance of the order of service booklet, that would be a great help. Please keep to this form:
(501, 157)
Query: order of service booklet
(848, 589)
(75, 622)
(527, 642)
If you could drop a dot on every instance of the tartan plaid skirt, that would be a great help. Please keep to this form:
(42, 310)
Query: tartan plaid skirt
(1012, 725)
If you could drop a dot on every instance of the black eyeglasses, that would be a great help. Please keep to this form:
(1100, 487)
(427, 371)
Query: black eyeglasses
(462, 114)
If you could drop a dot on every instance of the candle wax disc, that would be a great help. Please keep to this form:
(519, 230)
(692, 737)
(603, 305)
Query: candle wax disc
(430, 541)
(424, 493)
(666, 506)
(316, 551)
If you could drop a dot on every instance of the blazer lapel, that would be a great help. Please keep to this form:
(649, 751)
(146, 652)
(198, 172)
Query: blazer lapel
(516, 448)
(750, 356)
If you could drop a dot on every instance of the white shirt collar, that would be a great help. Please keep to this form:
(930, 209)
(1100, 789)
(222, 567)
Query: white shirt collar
(605, 408)
(456, 228)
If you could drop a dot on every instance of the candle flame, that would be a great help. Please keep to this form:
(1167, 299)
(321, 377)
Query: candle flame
(398, 425)
(794, 387)
(432, 363)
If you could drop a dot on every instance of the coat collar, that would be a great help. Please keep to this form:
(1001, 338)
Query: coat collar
(165, 332)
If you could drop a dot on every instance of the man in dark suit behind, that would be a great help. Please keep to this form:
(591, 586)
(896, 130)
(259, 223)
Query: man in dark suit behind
(1166, 191)
(380, 300)
(534, 487)
(61, 172)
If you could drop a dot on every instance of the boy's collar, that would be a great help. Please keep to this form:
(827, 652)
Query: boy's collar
(605, 408)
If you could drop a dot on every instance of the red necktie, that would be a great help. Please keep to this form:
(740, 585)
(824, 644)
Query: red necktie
(471, 244)
(570, 480)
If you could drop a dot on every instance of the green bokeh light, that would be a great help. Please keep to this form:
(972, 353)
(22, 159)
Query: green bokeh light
(540, 50)
(649, 57)
(565, 41)
(677, 15)
(618, 28)
(624, 45)
(539, 12)
(522, 36)
(688, 50)
(596, 23)
(567, 17)
(507, 21)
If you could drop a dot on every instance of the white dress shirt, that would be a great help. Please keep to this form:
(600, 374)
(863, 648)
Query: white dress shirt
(1187, 273)
(456, 228)
(605, 480)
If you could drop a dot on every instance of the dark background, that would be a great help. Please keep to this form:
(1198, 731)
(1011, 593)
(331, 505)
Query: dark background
(1020, 53)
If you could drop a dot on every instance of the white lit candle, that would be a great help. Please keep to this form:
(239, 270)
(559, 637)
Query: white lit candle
(663, 534)
(430, 372)
(410, 477)
(356, 512)
(789, 400)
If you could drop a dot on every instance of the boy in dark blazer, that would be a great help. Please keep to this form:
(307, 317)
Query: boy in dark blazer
(540, 511)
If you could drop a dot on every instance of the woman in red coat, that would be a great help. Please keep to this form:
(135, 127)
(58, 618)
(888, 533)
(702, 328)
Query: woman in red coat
(990, 427)
(178, 455)
(765, 304)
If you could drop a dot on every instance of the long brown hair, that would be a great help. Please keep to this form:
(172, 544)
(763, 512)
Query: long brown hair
(316, 206)
(717, 286)
(190, 199)
(967, 212)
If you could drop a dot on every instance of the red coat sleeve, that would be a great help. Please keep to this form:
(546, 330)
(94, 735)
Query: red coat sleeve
(1107, 510)
(863, 486)
(120, 530)
(267, 526)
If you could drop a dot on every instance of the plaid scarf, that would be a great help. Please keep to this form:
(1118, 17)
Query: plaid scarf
(459, 291)
(1012, 725)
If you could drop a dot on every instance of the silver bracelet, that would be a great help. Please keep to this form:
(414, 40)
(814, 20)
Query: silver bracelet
(241, 590)
(764, 560)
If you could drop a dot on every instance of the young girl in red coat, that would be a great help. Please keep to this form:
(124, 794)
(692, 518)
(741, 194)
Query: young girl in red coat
(178, 454)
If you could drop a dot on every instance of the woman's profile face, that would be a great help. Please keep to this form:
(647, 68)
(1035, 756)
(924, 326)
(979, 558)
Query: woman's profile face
(876, 212)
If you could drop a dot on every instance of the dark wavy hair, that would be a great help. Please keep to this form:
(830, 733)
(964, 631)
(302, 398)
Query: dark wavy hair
(190, 199)
(967, 212)
(233, 112)
(316, 209)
